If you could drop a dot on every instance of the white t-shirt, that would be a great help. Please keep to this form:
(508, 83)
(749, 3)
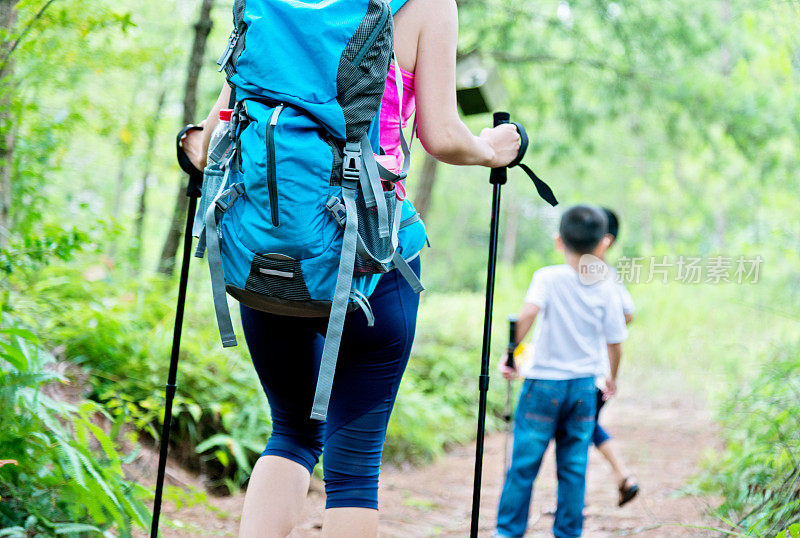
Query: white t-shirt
(624, 295)
(628, 307)
(574, 324)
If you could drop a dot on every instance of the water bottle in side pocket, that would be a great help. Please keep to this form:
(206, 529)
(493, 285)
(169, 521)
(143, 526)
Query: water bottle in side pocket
(213, 175)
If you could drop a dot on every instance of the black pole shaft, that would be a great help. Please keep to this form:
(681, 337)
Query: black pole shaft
(510, 348)
(483, 383)
(173, 364)
(497, 177)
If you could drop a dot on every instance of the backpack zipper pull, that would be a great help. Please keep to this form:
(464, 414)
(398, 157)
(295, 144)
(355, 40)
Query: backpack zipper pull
(228, 52)
(272, 181)
(273, 120)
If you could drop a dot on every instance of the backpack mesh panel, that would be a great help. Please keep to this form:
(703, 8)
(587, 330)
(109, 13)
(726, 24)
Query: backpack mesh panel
(360, 87)
(284, 287)
(240, 27)
(380, 247)
(338, 160)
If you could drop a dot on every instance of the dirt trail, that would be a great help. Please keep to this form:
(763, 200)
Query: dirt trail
(661, 441)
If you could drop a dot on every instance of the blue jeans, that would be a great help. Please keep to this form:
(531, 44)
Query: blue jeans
(560, 410)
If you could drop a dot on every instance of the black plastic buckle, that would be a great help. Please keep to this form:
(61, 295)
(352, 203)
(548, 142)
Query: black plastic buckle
(351, 165)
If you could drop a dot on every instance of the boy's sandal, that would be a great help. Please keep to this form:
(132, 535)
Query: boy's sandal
(626, 492)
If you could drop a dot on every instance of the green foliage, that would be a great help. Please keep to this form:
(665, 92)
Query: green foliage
(98, 319)
(758, 474)
(61, 471)
(438, 398)
(679, 115)
(121, 330)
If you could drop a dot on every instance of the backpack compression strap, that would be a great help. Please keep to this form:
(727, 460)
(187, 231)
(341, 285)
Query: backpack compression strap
(371, 187)
(222, 202)
(341, 296)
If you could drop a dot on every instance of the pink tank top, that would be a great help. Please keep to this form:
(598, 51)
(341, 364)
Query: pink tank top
(390, 135)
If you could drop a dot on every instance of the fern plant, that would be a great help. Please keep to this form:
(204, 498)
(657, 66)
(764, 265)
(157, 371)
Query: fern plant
(63, 473)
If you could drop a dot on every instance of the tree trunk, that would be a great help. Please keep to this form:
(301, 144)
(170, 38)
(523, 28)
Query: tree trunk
(202, 28)
(8, 19)
(422, 200)
(151, 131)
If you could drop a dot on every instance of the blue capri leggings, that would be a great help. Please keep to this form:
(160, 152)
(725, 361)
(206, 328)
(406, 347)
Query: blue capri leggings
(286, 353)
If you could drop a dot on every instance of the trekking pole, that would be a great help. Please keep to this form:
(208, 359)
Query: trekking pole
(497, 177)
(193, 191)
(510, 349)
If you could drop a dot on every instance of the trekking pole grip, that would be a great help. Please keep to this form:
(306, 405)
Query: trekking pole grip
(195, 186)
(512, 341)
(499, 176)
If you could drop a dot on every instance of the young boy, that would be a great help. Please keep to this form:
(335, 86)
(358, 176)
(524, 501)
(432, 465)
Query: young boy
(579, 317)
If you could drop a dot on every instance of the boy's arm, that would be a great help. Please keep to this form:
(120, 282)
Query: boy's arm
(525, 320)
(627, 303)
(614, 357)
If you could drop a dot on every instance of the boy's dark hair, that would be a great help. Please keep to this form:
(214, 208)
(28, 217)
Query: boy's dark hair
(613, 222)
(582, 228)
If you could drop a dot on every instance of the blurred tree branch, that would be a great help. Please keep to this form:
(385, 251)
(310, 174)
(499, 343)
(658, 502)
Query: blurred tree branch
(23, 33)
(8, 18)
(202, 28)
(507, 57)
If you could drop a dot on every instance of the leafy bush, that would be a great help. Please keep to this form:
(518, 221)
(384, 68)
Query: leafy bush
(440, 385)
(120, 329)
(758, 474)
(51, 479)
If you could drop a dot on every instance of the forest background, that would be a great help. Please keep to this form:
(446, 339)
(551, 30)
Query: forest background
(682, 116)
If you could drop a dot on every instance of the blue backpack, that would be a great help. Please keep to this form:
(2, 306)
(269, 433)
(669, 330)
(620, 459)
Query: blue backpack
(298, 217)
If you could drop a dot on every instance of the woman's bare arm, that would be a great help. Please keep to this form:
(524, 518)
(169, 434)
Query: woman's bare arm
(440, 129)
(195, 143)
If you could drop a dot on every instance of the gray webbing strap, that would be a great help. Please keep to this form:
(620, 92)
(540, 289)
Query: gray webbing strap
(361, 300)
(353, 152)
(200, 251)
(201, 238)
(410, 220)
(406, 272)
(384, 173)
(371, 182)
(215, 264)
(388, 175)
(398, 81)
(341, 298)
